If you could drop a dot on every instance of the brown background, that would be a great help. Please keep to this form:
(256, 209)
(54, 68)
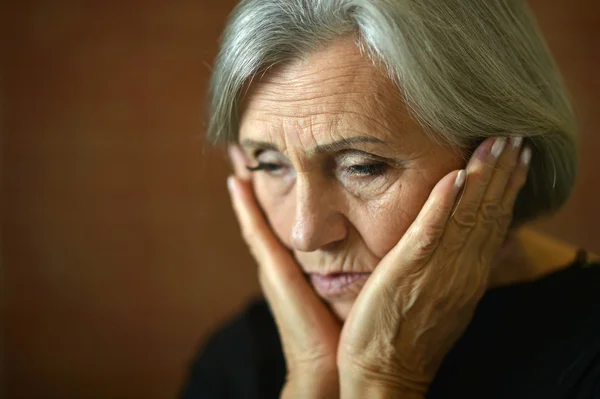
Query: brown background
(120, 251)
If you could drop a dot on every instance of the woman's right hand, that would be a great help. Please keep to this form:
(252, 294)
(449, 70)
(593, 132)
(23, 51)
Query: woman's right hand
(309, 331)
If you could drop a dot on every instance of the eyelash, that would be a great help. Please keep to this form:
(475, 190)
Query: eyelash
(267, 167)
(375, 169)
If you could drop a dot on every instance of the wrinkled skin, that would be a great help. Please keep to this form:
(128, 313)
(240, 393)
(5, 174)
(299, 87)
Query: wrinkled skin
(333, 220)
(379, 200)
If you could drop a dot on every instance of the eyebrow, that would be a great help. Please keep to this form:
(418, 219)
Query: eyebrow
(338, 145)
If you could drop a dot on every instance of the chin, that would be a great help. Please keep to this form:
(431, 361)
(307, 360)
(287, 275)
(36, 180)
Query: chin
(341, 309)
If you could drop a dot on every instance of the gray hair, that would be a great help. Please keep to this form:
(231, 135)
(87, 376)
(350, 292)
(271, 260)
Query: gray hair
(467, 70)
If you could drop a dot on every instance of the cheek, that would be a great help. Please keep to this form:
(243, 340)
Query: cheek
(383, 222)
(279, 209)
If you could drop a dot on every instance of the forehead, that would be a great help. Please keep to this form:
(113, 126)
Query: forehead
(335, 92)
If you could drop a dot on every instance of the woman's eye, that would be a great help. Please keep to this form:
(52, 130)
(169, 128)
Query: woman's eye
(267, 167)
(375, 169)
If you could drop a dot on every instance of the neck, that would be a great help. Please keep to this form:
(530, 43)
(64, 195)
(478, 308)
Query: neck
(527, 255)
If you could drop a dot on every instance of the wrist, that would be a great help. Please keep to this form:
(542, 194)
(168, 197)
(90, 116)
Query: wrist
(379, 385)
(311, 385)
(373, 391)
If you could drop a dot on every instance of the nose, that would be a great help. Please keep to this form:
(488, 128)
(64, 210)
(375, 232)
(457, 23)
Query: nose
(318, 221)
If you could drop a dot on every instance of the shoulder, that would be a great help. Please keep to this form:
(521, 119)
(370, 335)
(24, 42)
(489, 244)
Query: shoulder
(564, 304)
(235, 359)
(535, 339)
(572, 293)
(568, 330)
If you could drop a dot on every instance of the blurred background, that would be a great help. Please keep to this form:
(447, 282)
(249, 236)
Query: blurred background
(120, 251)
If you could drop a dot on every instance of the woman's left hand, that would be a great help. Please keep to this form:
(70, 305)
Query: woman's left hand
(422, 295)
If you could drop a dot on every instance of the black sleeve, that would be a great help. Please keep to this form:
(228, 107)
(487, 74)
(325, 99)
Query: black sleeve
(208, 374)
(587, 365)
(242, 360)
(589, 385)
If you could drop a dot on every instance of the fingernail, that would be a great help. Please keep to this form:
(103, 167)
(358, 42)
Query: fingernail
(517, 141)
(526, 156)
(498, 147)
(460, 178)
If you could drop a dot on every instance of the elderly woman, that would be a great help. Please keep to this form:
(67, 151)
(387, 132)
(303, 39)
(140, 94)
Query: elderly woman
(388, 156)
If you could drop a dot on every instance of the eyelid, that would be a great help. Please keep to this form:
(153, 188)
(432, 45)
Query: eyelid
(365, 157)
(346, 156)
(260, 151)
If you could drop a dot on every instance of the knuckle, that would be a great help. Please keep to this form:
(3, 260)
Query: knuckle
(427, 241)
(496, 217)
(466, 216)
(491, 211)
(506, 168)
(486, 165)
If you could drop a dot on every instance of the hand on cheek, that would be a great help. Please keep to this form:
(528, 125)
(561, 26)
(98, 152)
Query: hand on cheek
(308, 331)
(422, 295)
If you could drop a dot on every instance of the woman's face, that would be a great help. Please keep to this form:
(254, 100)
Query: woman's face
(345, 170)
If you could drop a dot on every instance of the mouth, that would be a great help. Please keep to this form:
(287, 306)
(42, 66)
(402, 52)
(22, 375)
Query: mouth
(338, 285)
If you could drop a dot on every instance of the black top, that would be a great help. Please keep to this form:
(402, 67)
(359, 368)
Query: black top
(531, 340)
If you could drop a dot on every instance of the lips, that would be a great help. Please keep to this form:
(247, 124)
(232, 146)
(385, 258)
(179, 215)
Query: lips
(338, 284)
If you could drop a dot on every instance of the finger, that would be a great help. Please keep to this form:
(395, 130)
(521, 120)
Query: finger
(255, 230)
(501, 175)
(493, 218)
(239, 161)
(422, 237)
(518, 179)
(479, 174)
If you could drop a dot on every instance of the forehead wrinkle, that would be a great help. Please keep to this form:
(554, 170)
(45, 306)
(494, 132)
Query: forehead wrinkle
(291, 109)
(294, 113)
(389, 137)
(293, 85)
(294, 82)
(308, 131)
(283, 104)
(315, 69)
(307, 139)
(375, 118)
(302, 104)
(378, 126)
(363, 101)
